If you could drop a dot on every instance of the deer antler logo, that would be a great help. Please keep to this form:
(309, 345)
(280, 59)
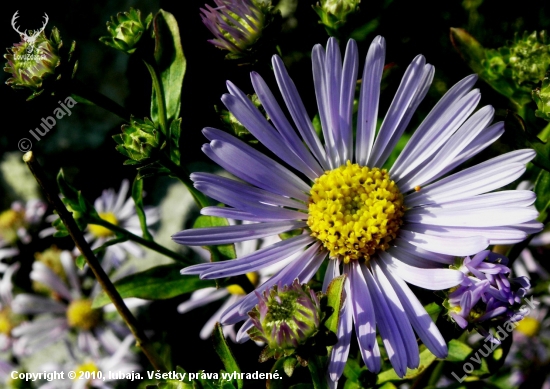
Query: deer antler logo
(31, 40)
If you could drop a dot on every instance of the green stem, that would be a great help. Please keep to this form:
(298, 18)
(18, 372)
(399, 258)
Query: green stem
(82, 91)
(102, 278)
(161, 103)
(317, 372)
(183, 175)
(144, 242)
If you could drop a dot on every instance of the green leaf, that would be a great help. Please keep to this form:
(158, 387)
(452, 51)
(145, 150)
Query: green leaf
(542, 189)
(220, 252)
(426, 359)
(175, 132)
(170, 63)
(433, 310)
(335, 294)
(137, 195)
(458, 351)
(80, 261)
(518, 137)
(282, 383)
(224, 352)
(158, 283)
(70, 194)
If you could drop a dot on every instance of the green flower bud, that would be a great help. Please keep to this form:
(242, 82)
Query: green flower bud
(285, 318)
(234, 125)
(126, 31)
(31, 64)
(334, 13)
(542, 98)
(138, 141)
(241, 26)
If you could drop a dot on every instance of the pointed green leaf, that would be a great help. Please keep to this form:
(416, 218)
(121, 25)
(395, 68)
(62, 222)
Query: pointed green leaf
(426, 359)
(137, 195)
(433, 310)
(158, 283)
(458, 351)
(225, 354)
(542, 189)
(335, 294)
(170, 62)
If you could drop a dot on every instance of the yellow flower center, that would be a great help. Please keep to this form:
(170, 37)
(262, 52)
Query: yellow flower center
(10, 222)
(81, 315)
(6, 322)
(237, 289)
(355, 211)
(100, 231)
(528, 326)
(85, 367)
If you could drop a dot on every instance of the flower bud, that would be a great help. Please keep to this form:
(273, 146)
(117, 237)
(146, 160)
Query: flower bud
(126, 31)
(138, 141)
(238, 25)
(32, 64)
(285, 318)
(334, 13)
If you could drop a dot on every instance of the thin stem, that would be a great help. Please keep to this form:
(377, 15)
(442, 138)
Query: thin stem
(144, 242)
(82, 245)
(317, 372)
(81, 90)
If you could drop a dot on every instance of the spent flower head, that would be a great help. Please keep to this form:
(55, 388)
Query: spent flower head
(47, 63)
(126, 30)
(285, 318)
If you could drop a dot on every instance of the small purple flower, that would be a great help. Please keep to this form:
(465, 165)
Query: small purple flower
(486, 292)
(236, 24)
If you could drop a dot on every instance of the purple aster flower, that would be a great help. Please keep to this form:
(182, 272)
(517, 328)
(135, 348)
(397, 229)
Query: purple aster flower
(382, 228)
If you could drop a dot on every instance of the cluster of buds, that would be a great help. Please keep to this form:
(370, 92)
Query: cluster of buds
(239, 26)
(333, 14)
(33, 64)
(290, 320)
(513, 70)
(542, 98)
(486, 293)
(126, 30)
(138, 141)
